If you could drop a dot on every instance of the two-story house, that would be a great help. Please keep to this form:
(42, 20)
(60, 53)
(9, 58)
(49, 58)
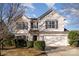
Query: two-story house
(48, 27)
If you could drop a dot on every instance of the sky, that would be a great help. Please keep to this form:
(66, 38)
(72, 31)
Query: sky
(69, 10)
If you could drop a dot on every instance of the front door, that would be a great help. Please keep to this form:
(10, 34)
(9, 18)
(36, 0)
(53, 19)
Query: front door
(34, 37)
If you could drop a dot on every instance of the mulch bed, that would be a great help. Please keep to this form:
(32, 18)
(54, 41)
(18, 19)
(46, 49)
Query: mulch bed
(12, 51)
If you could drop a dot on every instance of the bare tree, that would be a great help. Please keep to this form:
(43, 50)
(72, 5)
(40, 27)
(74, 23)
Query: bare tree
(8, 13)
(14, 10)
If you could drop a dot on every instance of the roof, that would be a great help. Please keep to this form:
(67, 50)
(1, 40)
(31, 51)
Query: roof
(46, 13)
(66, 29)
(40, 17)
(33, 18)
(43, 15)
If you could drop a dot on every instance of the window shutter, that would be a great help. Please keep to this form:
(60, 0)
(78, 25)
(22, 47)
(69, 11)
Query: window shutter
(22, 25)
(56, 24)
(26, 25)
(18, 25)
(46, 24)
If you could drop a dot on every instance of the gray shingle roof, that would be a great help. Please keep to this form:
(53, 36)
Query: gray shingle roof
(46, 13)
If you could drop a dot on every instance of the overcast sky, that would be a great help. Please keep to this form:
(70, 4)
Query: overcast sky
(69, 11)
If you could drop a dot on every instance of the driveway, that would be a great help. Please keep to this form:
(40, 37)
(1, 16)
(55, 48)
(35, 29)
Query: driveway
(62, 51)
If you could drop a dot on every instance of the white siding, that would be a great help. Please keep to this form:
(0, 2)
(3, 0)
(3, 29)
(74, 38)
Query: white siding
(22, 19)
(50, 39)
(52, 16)
(54, 39)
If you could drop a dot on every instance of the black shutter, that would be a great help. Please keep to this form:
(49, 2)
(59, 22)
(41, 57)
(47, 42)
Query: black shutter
(26, 25)
(56, 24)
(46, 24)
(18, 25)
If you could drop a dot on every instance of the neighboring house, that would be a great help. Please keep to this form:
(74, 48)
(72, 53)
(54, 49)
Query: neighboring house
(48, 27)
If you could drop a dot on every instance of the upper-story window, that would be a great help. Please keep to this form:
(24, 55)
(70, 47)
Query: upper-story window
(22, 25)
(51, 24)
(34, 25)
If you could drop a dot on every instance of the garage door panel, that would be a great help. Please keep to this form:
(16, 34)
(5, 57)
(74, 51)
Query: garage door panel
(55, 40)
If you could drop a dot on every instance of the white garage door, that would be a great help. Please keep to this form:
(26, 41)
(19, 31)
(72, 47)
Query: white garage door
(56, 40)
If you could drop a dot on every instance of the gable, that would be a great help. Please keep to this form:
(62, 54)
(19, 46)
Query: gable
(13, 24)
(52, 16)
(50, 13)
(23, 19)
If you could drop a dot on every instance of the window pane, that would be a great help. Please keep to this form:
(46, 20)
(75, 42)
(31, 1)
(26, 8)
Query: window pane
(22, 25)
(50, 24)
(26, 25)
(31, 25)
(18, 25)
(53, 24)
(34, 25)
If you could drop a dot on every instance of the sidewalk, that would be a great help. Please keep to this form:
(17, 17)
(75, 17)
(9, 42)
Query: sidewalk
(62, 51)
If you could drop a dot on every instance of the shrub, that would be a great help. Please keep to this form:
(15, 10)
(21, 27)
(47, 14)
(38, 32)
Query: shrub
(73, 35)
(16, 43)
(8, 39)
(75, 44)
(8, 42)
(71, 42)
(73, 38)
(39, 45)
(30, 44)
(20, 43)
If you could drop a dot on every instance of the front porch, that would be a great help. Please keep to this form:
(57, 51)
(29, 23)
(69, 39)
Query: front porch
(34, 35)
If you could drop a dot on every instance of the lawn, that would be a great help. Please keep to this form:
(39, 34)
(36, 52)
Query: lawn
(22, 52)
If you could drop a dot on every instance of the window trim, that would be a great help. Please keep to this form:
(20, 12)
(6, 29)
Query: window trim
(22, 25)
(49, 26)
(34, 25)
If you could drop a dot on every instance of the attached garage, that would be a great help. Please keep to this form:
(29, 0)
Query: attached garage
(55, 39)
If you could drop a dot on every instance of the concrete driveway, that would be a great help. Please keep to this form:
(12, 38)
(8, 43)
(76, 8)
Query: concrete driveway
(62, 51)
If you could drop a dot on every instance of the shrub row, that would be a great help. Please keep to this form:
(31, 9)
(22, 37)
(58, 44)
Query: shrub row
(73, 38)
(9, 42)
(30, 44)
(36, 44)
(22, 43)
(39, 45)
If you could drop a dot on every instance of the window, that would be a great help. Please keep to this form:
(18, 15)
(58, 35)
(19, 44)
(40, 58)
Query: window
(34, 25)
(51, 24)
(22, 25)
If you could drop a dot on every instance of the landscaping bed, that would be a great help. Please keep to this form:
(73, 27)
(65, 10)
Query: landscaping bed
(22, 52)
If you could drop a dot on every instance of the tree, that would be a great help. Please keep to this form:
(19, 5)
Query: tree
(2, 25)
(14, 10)
(8, 13)
(3, 32)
